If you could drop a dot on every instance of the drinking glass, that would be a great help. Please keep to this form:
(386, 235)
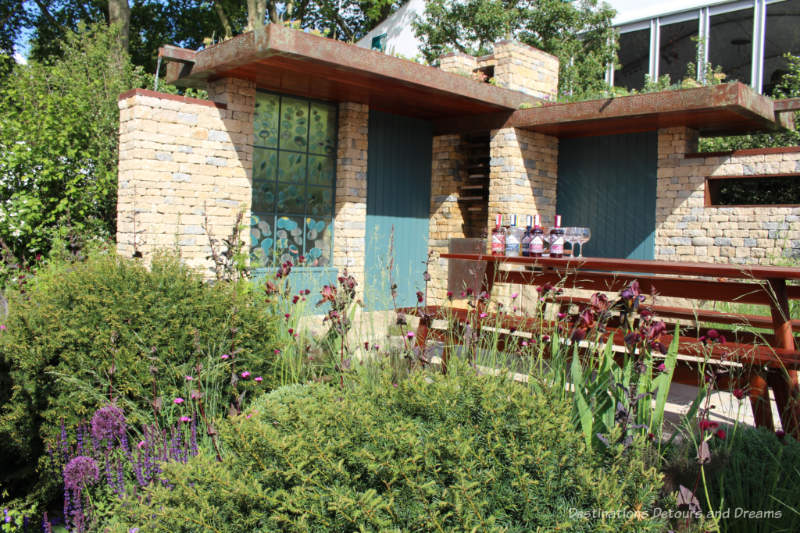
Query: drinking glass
(571, 236)
(583, 235)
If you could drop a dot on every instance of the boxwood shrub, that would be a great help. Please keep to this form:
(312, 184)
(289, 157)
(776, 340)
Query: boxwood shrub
(432, 453)
(81, 333)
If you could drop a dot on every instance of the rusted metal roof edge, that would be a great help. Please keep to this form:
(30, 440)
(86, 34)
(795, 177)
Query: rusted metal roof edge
(274, 39)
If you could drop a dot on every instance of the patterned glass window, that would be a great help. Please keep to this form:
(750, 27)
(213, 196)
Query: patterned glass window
(294, 178)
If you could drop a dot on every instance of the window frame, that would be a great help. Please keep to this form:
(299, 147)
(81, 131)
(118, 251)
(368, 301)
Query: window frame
(712, 184)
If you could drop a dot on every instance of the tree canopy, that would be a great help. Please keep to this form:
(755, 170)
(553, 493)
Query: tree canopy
(579, 33)
(147, 24)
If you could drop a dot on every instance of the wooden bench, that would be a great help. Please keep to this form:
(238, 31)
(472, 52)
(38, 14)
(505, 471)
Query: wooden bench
(768, 360)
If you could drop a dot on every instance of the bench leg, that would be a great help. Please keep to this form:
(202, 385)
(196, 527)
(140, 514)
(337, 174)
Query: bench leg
(421, 337)
(785, 386)
(759, 401)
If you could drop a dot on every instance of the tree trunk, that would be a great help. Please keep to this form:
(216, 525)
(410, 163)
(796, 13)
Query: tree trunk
(119, 13)
(256, 11)
(223, 18)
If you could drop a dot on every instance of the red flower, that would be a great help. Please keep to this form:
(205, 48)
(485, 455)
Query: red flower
(721, 434)
(738, 394)
(706, 425)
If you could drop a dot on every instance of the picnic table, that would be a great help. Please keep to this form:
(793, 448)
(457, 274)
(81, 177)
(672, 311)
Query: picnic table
(769, 360)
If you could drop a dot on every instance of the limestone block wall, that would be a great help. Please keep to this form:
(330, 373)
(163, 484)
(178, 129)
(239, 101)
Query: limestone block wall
(688, 230)
(526, 69)
(446, 218)
(523, 175)
(184, 170)
(350, 216)
(458, 63)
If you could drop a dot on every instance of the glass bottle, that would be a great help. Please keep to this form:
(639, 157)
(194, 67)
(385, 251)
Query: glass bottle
(527, 237)
(557, 239)
(512, 237)
(537, 237)
(498, 237)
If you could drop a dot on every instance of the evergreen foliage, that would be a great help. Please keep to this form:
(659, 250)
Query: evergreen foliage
(431, 453)
(81, 334)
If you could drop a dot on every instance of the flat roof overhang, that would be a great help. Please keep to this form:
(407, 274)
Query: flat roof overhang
(297, 63)
(728, 109)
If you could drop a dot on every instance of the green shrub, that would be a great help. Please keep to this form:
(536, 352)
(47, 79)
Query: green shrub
(432, 453)
(79, 334)
(752, 470)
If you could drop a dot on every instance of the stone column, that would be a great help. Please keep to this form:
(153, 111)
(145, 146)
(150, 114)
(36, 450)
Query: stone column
(446, 218)
(350, 222)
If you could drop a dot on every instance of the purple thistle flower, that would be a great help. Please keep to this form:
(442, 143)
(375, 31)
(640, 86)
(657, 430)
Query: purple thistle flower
(224, 356)
(108, 423)
(245, 374)
(185, 419)
(178, 401)
(79, 472)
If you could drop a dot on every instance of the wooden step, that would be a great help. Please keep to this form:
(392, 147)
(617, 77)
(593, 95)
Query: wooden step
(476, 187)
(476, 198)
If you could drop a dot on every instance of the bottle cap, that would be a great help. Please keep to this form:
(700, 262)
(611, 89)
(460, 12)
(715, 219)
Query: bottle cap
(498, 220)
(528, 220)
(558, 221)
(537, 220)
(512, 220)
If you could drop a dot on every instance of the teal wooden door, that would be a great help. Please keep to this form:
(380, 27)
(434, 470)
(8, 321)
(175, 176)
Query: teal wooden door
(608, 183)
(398, 203)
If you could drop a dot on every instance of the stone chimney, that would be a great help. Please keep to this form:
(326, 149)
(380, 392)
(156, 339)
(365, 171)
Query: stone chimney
(513, 65)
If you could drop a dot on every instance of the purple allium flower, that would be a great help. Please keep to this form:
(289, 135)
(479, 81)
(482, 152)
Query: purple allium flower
(258, 379)
(178, 401)
(108, 422)
(80, 472)
(245, 374)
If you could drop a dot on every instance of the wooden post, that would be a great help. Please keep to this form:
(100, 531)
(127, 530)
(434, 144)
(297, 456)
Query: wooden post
(784, 382)
(759, 400)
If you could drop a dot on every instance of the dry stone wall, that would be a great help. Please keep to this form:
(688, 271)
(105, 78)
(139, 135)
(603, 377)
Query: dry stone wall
(688, 230)
(446, 218)
(350, 222)
(184, 170)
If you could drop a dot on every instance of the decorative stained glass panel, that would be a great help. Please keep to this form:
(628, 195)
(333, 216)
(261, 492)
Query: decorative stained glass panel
(322, 137)
(294, 180)
(321, 170)
(266, 120)
(292, 167)
(294, 124)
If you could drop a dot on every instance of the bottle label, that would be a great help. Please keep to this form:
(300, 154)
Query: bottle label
(498, 244)
(537, 245)
(512, 248)
(557, 246)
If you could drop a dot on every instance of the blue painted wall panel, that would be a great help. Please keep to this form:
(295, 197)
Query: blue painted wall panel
(398, 202)
(608, 183)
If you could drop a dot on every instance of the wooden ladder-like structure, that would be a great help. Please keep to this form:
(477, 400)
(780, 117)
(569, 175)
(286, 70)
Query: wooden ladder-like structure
(473, 194)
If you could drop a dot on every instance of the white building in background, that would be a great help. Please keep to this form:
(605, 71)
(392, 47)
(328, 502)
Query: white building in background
(746, 38)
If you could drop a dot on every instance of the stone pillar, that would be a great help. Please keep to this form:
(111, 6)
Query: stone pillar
(446, 218)
(523, 174)
(679, 198)
(185, 170)
(350, 221)
(526, 69)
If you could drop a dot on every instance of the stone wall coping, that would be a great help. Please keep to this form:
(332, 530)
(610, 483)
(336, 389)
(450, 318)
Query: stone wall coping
(745, 152)
(166, 96)
(456, 54)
